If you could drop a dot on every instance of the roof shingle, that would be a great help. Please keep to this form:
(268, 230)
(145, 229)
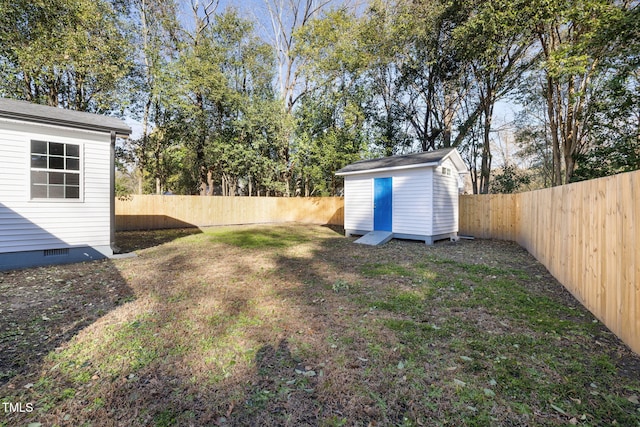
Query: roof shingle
(35, 113)
(425, 157)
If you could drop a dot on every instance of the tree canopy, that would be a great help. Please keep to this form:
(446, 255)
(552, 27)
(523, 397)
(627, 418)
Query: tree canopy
(274, 102)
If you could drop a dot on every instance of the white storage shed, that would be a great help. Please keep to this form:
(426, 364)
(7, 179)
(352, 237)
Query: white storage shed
(413, 196)
(56, 184)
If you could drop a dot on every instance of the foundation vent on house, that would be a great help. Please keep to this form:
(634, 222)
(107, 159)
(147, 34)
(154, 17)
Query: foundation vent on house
(56, 252)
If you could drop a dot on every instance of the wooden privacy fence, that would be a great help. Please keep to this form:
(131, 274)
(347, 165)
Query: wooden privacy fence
(587, 234)
(144, 212)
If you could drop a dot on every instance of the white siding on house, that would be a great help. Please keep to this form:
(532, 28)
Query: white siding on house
(12, 161)
(358, 199)
(35, 225)
(412, 209)
(445, 200)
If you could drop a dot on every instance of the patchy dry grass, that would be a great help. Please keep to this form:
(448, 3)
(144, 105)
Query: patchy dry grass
(295, 325)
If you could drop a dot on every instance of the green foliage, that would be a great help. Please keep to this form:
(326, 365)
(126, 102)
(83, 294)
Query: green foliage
(224, 112)
(510, 180)
(330, 136)
(615, 129)
(495, 47)
(217, 122)
(69, 53)
(331, 120)
(608, 159)
(581, 48)
(124, 187)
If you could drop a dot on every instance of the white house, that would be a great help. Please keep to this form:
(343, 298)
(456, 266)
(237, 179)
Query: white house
(413, 196)
(56, 184)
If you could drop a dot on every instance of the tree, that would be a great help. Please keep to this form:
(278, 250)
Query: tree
(288, 17)
(330, 126)
(615, 125)
(218, 108)
(532, 138)
(432, 75)
(510, 179)
(158, 36)
(380, 62)
(496, 48)
(330, 135)
(68, 53)
(573, 50)
(237, 148)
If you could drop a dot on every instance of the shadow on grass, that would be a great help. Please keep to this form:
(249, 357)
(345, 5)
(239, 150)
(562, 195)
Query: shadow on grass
(130, 241)
(338, 229)
(42, 308)
(187, 352)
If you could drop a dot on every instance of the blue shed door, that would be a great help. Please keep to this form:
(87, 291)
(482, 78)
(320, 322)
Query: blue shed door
(382, 204)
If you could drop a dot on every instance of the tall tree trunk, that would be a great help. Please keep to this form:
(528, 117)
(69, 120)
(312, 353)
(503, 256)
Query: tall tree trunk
(157, 155)
(554, 131)
(142, 150)
(474, 180)
(232, 182)
(140, 175)
(426, 144)
(485, 166)
(447, 119)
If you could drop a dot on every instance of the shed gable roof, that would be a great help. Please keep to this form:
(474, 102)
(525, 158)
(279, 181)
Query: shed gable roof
(405, 161)
(35, 113)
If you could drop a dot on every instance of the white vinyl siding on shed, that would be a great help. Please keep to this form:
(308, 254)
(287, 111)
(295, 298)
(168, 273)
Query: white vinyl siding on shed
(411, 194)
(412, 209)
(26, 224)
(445, 199)
(424, 195)
(358, 197)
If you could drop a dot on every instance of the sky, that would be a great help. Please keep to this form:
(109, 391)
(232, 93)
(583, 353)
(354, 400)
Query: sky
(254, 10)
(257, 11)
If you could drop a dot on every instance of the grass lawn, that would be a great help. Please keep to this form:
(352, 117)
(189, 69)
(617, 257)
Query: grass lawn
(295, 325)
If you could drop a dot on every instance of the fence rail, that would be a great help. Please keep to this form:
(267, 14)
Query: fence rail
(587, 234)
(142, 212)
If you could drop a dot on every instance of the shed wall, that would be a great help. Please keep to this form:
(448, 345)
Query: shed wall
(27, 225)
(412, 207)
(358, 203)
(445, 199)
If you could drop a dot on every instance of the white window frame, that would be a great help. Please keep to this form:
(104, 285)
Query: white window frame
(65, 172)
